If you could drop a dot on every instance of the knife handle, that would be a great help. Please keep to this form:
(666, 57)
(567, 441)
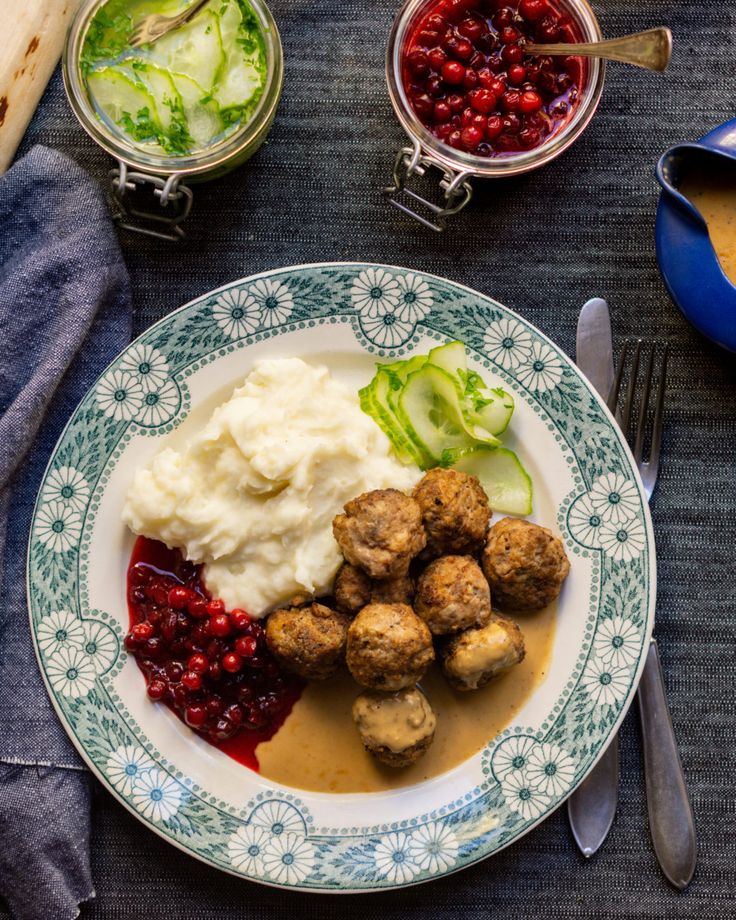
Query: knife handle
(671, 820)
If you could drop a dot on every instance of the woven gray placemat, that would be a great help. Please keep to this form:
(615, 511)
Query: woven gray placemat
(541, 244)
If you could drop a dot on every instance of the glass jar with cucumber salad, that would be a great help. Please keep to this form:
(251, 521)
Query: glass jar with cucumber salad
(189, 106)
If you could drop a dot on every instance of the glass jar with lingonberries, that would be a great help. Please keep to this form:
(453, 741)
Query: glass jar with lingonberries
(475, 103)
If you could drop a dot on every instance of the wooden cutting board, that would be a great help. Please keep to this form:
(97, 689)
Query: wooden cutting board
(32, 41)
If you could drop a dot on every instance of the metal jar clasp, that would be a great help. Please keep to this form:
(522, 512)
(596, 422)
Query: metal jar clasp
(170, 201)
(457, 191)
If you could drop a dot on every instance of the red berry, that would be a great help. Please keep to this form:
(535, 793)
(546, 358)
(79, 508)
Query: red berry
(232, 662)
(436, 22)
(140, 574)
(497, 87)
(441, 111)
(494, 126)
(471, 28)
(215, 606)
(441, 131)
(191, 680)
(418, 62)
(246, 646)
(156, 689)
(234, 713)
(198, 663)
(195, 715)
(530, 102)
(453, 72)
(434, 86)
(512, 54)
(509, 34)
(482, 100)
(239, 619)
(179, 597)
(485, 77)
(453, 139)
(470, 80)
(533, 9)
(197, 607)
(174, 671)
(220, 625)
(548, 30)
(456, 102)
(511, 123)
(503, 17)
(214, 706)
(130, 642)
(142, 631)
(154, 647)
(510, 100)
(463, 49)
(517, 74)
(529, 137)
(470, 137)
(437, 58)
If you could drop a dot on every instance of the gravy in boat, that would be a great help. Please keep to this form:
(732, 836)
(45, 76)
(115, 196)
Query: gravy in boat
(714, 194)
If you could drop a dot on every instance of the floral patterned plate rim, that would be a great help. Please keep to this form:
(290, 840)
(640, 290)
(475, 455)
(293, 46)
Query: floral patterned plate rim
(346, 315)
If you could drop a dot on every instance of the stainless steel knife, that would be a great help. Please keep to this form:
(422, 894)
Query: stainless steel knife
(592, 807)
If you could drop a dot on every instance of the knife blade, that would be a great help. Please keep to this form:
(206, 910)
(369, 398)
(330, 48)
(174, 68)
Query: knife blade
(594, 345)
(592, 807)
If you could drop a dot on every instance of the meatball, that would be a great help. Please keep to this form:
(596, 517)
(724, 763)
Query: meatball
(453, 594)
(397, 728)
(525, 564)
(380, 532)
(393, 591)
(309, 641)
(388, 647)
(455, 512)
(352, 589)
(476, 656)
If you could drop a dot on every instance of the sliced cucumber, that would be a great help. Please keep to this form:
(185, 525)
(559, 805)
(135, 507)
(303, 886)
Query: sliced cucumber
(450, 358)
(195, 50)
(374, 402)
(430, 411)
(490, 408)
(398, 374)
(502, 475)
(160, 86)
(201, 113)
(120, 98)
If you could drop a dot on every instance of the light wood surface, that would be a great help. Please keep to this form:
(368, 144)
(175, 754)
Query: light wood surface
(31, 44)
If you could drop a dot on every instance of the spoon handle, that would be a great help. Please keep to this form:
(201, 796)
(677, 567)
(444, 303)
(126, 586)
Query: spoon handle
(651, 49)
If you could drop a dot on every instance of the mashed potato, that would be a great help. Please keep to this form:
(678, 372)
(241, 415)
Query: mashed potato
(254, 492)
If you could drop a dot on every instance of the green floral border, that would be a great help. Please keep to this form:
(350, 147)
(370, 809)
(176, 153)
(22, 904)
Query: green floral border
(526, 774)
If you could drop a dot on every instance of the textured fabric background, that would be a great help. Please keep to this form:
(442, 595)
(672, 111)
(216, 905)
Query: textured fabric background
(541, 244)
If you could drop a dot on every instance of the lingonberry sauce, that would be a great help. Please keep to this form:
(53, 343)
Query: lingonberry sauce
(470, 82)
(210, 666)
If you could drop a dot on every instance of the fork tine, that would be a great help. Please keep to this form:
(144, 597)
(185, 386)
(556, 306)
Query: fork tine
(612, 400)
(658, 413)
(630, 390)
(643, 407)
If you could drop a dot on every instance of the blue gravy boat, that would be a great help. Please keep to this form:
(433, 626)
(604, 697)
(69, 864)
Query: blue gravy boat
(687, 260)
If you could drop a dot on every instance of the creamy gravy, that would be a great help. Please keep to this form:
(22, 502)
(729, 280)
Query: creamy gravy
(714, 195)
(318, 746)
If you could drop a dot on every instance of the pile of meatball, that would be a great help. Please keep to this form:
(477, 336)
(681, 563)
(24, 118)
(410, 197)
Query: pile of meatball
(418, 581)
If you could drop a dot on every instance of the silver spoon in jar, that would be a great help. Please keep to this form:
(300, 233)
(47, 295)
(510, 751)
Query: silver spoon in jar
(651, 49)
(153, 27)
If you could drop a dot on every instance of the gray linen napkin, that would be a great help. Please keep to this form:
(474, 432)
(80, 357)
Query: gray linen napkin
(64, 314)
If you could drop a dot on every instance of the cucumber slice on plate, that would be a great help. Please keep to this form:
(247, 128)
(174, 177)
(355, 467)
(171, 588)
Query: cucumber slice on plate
(450, 358)
(501, 473)
(490, 408)
(194, 49)
(374, 402)
(430, 411)
(398, 374)
(119, 98)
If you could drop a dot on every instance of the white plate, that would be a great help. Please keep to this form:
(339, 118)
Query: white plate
(165, 384)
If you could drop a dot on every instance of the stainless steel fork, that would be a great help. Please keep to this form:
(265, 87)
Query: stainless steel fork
(152, 27)
(671, 819)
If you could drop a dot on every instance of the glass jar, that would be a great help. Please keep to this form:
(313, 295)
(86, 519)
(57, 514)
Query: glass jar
(456, 166)
(162, 180)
